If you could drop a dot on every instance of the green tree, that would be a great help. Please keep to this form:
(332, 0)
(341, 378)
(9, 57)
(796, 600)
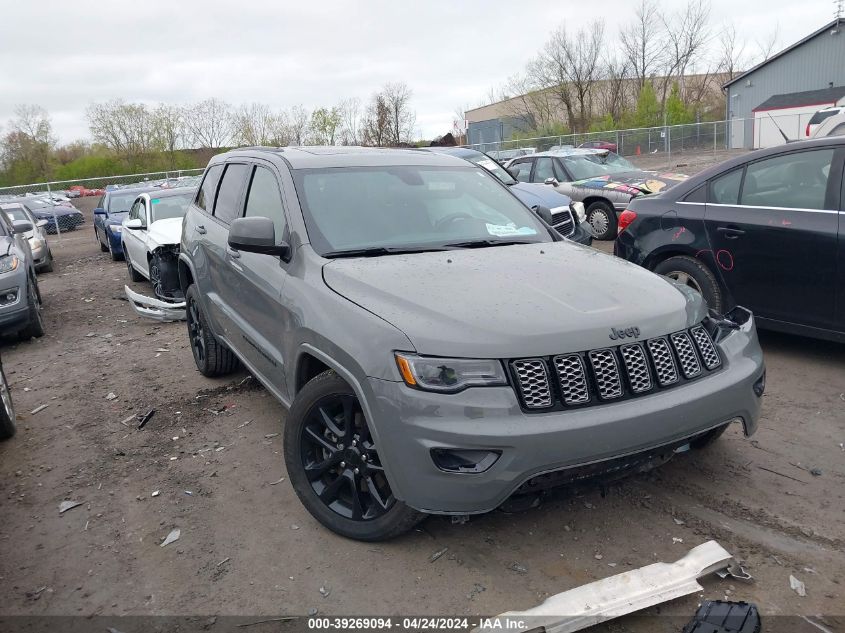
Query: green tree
(676, 111)
(325, 124)
(648, 112)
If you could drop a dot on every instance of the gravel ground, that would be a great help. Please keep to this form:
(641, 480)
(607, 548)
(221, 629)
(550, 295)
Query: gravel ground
(213, 455)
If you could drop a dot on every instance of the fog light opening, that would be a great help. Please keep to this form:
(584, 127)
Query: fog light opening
(453, 460)
(760, 386)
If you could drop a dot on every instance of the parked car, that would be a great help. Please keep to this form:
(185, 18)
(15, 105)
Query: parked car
(20, 298)
(151, 234)
(399, 303)
(604, 181)
(111, 211)
(66, 217)
(37, 238)
(568, 218)
(764, 230)
(607, 146)
(7, 410)
(828, 121)
(502, 156)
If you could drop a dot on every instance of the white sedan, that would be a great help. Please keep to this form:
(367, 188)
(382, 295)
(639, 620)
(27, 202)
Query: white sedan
(151, 234)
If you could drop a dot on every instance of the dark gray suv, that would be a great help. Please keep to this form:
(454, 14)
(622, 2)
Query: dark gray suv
(400, 304)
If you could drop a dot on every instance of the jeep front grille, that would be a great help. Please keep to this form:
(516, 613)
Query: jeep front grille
(533, 382)
(563, 222)
(602, 375)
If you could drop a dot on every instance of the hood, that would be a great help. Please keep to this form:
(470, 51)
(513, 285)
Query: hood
(513, 301)
(532, 195)
(59, 211)
(116, 217)
(634, 183)
(167, 231)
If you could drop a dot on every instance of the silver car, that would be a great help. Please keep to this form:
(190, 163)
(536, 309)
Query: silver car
(439, 347)
(41, 254)
(20, 298)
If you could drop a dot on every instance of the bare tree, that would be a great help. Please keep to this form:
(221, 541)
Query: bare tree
(281, 135)
(300, 123)
(254, 124)
(377, 122)
(397, 98)
(350, 114)
(168, 123)
(686, 34)
(643, 41)
(614, 91)
(128, 129)
(768, 45)
(210, 123)
(26, 149)
(732, 52)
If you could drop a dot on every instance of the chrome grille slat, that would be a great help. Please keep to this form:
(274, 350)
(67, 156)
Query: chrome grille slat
(572, 377)
(636, 366)
(606, 372)
(533, 382)
(664, 362)
(706, 347)
(564, 223)
(682, 343)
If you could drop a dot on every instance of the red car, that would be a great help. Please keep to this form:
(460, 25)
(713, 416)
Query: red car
(607, 145)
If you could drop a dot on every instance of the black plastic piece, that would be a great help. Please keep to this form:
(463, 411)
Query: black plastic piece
(717, 616)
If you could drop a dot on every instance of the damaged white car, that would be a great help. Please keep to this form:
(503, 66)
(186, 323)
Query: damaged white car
(151, 234)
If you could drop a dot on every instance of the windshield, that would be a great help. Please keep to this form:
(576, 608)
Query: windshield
(16, 214)
(398, 207)
(483, 160)
(170, 207)
(120, 202)
(583, 166)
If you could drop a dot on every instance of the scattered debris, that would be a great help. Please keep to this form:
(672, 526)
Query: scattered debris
(240, 426)
(598, 556)
(437, 554)
(325, 591)
(282, 619)
(38, 409)
(312, 611)
(129, 419)
(64, 506)
(223, 562)
(797, 586)
(820, 627)
(270, 435)
(724, 617)
(111, 396)
(677, 521)
(155, 493)
(161, 349)
(676, 540)
(774, 472)
(294, 526)
(146, 418)
(273, 483)
(519, 569)
(816, 472)
(189, 493)
(170, 538)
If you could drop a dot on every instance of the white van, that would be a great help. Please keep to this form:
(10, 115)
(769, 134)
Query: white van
(829, 121)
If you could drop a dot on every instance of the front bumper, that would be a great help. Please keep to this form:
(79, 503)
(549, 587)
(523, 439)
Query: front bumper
(155, 309)
(115, 243)
(409, 424)
(583, 234)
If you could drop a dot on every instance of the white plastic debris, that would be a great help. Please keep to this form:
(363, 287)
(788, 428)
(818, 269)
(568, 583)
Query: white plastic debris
(39, 409)
(173, 536)
(111, 396)
(155, 493)
(797, 586)
(64, 506)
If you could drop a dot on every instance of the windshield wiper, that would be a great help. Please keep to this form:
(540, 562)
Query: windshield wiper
(486, 243)
(377, 251)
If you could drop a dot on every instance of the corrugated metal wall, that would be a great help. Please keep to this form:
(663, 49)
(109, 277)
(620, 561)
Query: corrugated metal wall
(817, 63)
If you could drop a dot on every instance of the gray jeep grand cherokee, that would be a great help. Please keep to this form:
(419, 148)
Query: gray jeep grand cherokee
(439, 347)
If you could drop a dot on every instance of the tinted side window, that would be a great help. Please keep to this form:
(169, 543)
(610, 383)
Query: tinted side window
(522, 171)
(264, 200)
(725, 189)
(795, 181)
(134, 211)
(543, 169)
(699, 194)
(227, 206)
(205, 195)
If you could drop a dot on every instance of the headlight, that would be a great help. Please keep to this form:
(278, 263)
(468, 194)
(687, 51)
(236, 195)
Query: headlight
(8, 263)
(449, 375)
(578, 209)
(117, 228)
(35, 243)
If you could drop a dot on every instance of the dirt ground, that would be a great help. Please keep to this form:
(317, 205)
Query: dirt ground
(209, 462)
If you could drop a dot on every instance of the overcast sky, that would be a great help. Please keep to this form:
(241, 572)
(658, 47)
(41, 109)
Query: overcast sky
(63, 55)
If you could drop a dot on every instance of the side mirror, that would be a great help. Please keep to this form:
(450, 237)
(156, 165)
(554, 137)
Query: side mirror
(41, 223)
(551, 181)
(22, 226)
(134, 224)
(256, 235)
(513, 171)
(545, 214)
(101, 212)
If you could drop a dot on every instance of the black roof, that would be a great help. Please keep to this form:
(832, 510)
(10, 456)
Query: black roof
(805, 98)
(827, 27)
(345, 156)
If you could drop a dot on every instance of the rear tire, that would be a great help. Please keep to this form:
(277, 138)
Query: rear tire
(602, 219)
(48, 265)
(7, 409)
(697, 276)
(708, 438)
(325, 425)
(134, 275)
(210, 355)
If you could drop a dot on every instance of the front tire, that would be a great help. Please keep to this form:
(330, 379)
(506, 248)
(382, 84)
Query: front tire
(210, 355)
(695, 274)
(35, 327)
(602, 219)
(134, 275)
(115, 257)
(7, 409)
(103, 247)
(334, 467)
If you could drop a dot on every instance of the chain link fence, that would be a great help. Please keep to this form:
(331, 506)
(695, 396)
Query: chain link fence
(52, 202)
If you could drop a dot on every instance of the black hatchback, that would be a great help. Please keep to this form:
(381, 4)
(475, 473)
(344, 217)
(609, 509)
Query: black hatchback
(765, 230)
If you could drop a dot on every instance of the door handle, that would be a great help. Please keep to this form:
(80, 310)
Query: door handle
(233, 253)
(201, 229)
(730, 232)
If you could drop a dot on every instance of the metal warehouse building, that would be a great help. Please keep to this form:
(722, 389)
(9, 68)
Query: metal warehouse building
(785, 90)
